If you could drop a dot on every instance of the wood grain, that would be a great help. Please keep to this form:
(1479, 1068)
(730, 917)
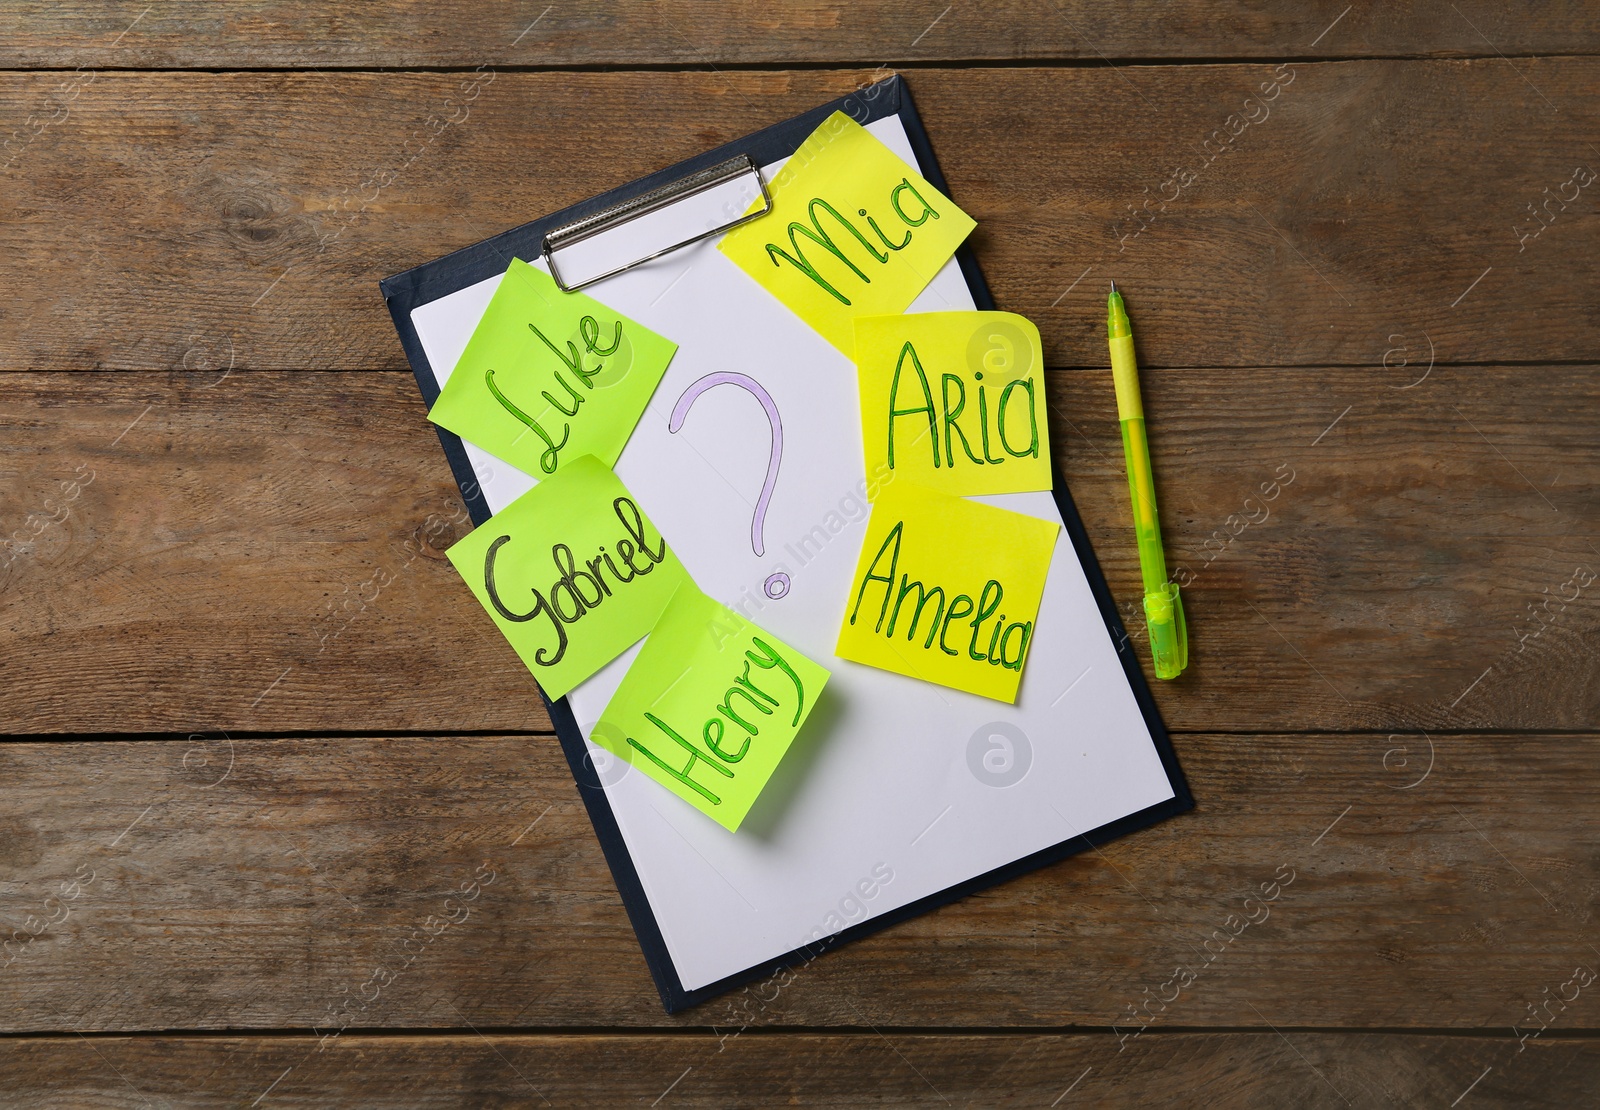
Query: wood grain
(241, 545)
(1302, 1069)
(680, 32)
(164, 221)
(1423, 883)
(262, 552)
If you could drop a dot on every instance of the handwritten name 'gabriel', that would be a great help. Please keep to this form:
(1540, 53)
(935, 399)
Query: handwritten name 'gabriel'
(580, 586)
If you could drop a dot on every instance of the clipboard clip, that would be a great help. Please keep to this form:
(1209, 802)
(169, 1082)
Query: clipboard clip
(659, 216)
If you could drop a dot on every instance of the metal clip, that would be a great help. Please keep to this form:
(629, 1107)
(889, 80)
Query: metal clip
(629, 210)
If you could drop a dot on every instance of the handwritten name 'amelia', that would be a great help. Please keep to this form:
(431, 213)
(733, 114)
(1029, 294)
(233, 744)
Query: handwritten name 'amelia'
(1007, 645)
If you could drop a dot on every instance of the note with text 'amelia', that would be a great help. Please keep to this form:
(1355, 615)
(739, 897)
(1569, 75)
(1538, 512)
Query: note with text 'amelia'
(947, 590)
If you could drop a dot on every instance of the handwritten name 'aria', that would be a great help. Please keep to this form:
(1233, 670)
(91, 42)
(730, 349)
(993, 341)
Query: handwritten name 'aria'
(948, 421)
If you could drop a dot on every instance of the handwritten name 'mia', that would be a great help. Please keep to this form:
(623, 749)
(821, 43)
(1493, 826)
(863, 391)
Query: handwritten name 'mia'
(946, 611)
(822, 237)
(714, 733)
(571, 361)
(569, 598)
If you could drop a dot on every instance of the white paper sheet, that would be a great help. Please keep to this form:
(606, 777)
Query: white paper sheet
(895, 789)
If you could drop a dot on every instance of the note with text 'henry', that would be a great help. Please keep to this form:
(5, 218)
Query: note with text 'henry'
(710, 706)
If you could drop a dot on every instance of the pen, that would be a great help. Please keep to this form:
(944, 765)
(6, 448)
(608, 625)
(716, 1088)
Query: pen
(1163, 608)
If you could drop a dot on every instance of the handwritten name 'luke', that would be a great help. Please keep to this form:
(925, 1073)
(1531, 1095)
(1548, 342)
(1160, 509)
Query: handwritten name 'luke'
(898, 200)
(568, 600)
(572, 362)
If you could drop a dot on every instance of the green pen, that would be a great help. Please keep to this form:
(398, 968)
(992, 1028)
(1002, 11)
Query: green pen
(1163, 608)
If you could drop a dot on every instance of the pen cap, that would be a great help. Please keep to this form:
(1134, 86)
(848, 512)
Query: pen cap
(1169, 640)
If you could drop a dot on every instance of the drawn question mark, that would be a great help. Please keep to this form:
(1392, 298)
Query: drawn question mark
(777, 585)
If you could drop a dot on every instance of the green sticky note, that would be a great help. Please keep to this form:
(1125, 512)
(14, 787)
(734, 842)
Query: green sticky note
(710, 706)
(550, 376)
(572, 573)
(853, 231)
(954, 401)
(947, 590)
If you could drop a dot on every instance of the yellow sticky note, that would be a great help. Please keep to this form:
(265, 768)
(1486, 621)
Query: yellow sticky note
(710, 706)
(550, 376)
(954, 400)
(947, 590)
(853, 231)
(572, 573)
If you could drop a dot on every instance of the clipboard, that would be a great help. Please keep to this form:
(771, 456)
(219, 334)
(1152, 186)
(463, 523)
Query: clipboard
(924, 815)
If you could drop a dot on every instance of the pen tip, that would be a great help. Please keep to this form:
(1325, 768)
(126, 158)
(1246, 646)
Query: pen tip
(1113, 285)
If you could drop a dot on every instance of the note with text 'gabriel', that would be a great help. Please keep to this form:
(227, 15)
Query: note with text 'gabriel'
(573, 573)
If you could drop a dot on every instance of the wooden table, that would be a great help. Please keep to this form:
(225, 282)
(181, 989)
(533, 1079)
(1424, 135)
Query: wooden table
(258, 736)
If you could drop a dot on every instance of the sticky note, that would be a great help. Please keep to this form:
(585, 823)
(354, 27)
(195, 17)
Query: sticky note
(550, 376)
(572, 572)
(954, 400)
(947, 590)
(854, 231)
(709, 706)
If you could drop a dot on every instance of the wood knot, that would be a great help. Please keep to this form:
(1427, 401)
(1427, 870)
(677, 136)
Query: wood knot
(434, 536)
(253, 216)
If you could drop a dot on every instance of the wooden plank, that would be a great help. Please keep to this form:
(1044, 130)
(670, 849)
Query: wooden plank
(350, 883)
(263, 552)
(1305, 1069)
(295, 33)
(1410, 549)
(165, 221)
(244, 550)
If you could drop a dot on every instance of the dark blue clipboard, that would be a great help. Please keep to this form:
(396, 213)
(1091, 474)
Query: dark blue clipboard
(470, 265)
